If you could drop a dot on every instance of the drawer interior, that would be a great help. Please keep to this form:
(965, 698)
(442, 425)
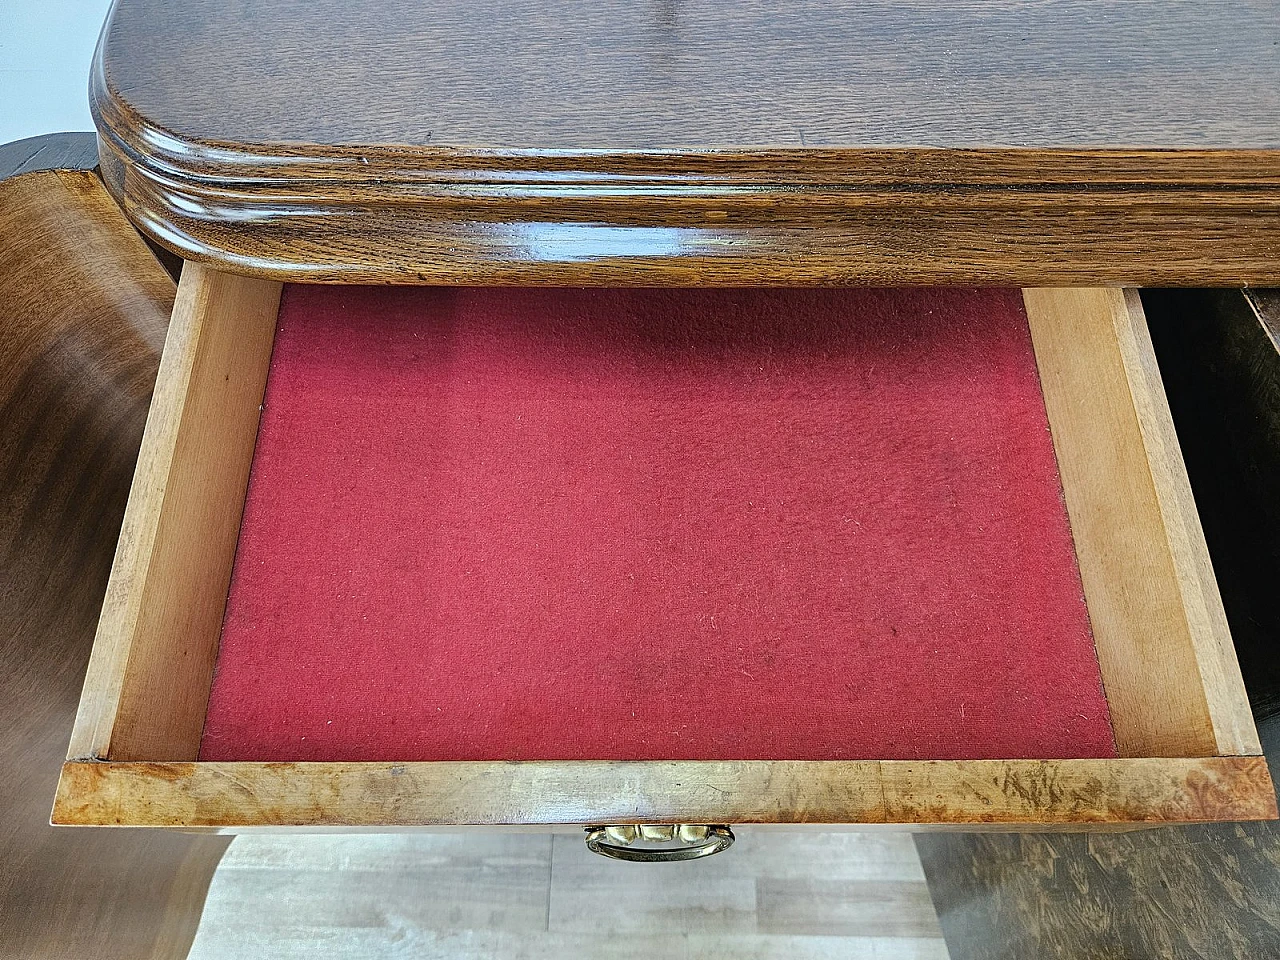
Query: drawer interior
(540, 524)
(1025, 582)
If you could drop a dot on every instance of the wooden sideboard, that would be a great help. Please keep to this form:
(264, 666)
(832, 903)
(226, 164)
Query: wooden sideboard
(1066, 148)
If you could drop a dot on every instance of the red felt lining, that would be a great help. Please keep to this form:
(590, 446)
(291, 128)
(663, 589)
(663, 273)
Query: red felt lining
(654, 524)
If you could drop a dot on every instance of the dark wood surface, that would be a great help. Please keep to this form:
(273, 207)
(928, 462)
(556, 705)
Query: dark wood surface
(712, 141)
(54, 151)
(1211, 892)
(83, 311)
(701, 75)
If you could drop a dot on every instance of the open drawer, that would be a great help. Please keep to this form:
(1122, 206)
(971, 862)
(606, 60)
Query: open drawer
(1184, 741)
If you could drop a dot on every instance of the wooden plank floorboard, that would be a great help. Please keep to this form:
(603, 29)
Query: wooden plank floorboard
(859, 908)
(800, 896)
(1207, 892)
(477, 944)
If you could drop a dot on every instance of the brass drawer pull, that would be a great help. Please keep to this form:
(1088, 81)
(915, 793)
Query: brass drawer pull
(687, 841)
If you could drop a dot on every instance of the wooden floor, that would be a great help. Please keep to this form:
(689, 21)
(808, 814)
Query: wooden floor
(1205, 892)
(464, 895)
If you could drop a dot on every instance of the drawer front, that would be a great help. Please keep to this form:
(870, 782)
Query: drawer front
(1018, 794)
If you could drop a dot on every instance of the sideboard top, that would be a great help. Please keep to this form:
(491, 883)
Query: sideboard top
(646, 75)
(247, 109)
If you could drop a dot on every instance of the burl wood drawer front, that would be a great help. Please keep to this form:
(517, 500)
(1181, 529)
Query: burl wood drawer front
(1187, 749)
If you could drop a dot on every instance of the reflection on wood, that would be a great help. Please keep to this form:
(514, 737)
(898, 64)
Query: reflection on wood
(709, 141)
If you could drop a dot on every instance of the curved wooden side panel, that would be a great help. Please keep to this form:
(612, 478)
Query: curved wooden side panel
(83, 311)
(53, 151)
(1019, 794)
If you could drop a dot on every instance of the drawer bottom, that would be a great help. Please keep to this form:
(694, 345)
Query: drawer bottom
(519, 524)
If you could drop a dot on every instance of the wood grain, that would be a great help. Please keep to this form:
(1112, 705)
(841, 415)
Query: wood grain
(883, 908)
(660, 232)
(1207, 891)
(53, 151)
(1234, 731)
(148, 679)
(709, 141)
(776, 883)
(83, 311)
(1172, 686)
(1013, 793)
(1168, 666)
(694, 75)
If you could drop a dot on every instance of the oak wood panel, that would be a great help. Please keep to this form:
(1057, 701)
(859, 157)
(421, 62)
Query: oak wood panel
(1168, 666)
(1011, 793)
(700, 141)
(148, 679)
(772, 235)
(693, 75)
(83, 311)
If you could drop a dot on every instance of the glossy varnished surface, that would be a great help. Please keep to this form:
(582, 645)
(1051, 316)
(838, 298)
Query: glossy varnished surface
(704, 141)
(700, 75)
(83, 312)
